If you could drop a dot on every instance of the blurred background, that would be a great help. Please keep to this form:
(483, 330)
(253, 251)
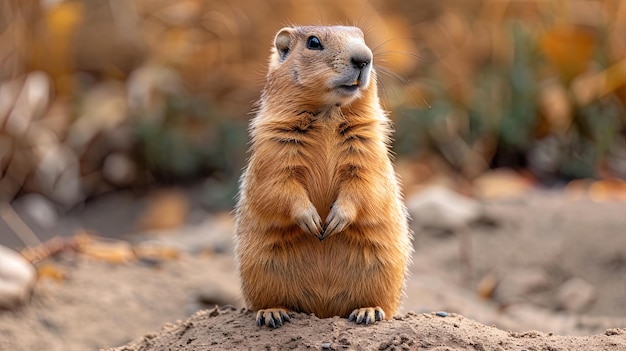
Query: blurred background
(97, 96)
(123, 118)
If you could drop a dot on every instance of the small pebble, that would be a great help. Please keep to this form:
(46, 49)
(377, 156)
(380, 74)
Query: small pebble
(17, 279)
(326, 346)
(442, 314)
(228, 308)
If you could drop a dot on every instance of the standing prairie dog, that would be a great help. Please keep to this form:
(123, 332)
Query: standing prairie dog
(321, 225)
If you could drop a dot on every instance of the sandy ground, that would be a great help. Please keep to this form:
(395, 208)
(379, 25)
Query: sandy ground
(215, 330)
(513, 289)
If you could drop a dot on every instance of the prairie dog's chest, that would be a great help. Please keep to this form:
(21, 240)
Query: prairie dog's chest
(321, 139)
(321, 155)
(327, 136)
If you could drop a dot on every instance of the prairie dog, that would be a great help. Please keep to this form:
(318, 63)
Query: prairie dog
(321, 225)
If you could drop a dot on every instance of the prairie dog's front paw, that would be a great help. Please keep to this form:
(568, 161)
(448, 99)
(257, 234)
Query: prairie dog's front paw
(338, 219)
(309, 220)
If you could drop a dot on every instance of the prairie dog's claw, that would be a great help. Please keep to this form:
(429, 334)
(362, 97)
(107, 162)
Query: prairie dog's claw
(272, 317)
(310, 221)
(367, 315)
(337, 221)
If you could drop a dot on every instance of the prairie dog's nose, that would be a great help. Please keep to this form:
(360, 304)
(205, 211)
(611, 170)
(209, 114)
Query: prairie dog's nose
(360, 54)
(360, 61)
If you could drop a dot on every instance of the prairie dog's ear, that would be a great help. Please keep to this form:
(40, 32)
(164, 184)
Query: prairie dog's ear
(282, 42)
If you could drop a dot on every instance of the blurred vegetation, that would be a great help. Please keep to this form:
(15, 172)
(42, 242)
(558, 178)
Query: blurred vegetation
(538, 85)
(98, 95)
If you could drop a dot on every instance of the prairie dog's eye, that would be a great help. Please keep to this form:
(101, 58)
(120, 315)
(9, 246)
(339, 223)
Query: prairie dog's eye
(314, 43)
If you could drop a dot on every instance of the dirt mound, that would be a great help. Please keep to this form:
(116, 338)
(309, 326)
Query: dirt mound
(225, 329)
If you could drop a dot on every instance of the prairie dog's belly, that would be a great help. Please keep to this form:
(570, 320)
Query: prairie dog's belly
(326, 278)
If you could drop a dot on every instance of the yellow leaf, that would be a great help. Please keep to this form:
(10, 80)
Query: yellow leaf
(608, 189)
(63, 19)
(501, 184)
(109, 250)
(568, 49)
(50, 271)
(156, 252)
(53, 46)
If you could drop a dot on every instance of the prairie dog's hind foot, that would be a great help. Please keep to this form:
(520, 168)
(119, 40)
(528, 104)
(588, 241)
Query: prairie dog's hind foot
(272, 317)
(367, 315)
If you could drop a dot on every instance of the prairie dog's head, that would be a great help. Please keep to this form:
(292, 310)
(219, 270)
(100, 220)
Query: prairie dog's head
(326, 65)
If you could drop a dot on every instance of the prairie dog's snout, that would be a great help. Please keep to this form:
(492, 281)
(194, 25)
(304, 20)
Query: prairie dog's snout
(360, 64)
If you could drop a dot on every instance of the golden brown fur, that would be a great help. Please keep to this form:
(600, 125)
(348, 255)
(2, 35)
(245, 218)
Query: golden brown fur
(321, 226)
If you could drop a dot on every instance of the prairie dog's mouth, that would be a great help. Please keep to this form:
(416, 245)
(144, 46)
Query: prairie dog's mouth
(352, 86)
(349, 88)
